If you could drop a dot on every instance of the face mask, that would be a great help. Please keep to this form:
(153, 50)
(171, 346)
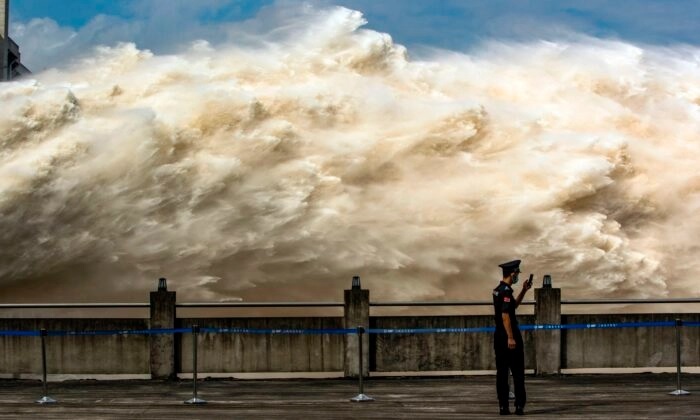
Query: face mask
(515, 278)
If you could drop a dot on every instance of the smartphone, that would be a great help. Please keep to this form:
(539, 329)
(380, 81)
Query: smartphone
(529, 281)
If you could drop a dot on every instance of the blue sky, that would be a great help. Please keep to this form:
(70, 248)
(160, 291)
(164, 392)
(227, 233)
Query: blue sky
(163, 25)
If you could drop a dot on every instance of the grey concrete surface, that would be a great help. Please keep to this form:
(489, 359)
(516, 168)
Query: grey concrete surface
(112, 354)
(263, 352)
(552, 397)
(441, 352)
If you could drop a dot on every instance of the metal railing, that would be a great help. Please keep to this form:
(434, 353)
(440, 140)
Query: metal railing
(259, 304)
(627, 301)
(337, 304)
(532, 302)
(71, 305)
(444, 303)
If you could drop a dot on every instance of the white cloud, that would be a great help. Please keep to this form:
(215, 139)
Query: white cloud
(161, 26)
(165, 26)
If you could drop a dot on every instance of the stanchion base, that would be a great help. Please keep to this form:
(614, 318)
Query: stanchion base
(45, 400)
(195, 401)
(679, 392)
(361, 398)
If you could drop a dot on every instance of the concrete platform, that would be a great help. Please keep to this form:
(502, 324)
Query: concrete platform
(638, 396)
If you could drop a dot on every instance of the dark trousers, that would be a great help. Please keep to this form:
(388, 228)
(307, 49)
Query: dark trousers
(513, 361)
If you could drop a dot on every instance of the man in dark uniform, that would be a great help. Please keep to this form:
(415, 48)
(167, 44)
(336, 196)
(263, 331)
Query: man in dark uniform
(508, 343)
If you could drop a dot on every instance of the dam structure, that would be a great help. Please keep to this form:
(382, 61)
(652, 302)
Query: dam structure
(12, 66)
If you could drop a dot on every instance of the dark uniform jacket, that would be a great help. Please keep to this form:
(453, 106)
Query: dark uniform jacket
(503, 301)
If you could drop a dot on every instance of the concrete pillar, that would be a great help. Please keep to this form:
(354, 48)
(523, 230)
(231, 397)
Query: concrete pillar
(356, 314)
(547, 342)
(4, 18)
(162, 345)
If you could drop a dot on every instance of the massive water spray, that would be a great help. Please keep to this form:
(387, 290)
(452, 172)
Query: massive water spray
(279, 169)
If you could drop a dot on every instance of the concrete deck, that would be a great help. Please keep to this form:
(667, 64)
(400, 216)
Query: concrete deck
(638, 396)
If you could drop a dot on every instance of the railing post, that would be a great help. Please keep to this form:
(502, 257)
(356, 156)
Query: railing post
(45, 399)
(547, 342)
(194, 399)
(356, 313)
(162, 345)
(679, 390)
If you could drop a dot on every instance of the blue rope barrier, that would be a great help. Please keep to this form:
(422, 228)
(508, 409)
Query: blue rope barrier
(603, 325)
(154, 331)
(524, 327)
(429, 330)
(295, 331)
(274, 331)
(59, 333)
(19, 333)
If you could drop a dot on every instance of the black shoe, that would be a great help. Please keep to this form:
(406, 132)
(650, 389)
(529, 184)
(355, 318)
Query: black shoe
(519, 411)
(504, 411)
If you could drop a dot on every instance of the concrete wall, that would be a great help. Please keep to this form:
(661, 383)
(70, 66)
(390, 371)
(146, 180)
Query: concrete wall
(111, 354)
(263, 352)
(591, 348)
(438, 352)
(628, 347)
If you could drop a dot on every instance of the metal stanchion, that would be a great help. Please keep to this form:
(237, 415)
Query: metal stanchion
(678, 391)
(361, 397)
(194, 399)
(45, 399)
(511, 395)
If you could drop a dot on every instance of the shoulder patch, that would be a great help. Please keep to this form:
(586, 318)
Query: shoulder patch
(495, 292)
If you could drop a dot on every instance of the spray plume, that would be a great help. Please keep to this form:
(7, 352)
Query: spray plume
(279, 169)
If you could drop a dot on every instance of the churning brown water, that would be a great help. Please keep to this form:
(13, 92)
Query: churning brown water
(278, 171)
